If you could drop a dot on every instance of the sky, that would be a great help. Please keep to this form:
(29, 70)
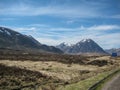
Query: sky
(52, 22)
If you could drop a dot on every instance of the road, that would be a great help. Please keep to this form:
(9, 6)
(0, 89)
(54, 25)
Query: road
(113, 84)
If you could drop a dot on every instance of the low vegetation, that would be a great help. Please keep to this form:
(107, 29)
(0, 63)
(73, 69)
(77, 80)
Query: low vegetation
(34, 56)
(85, 84)
(45, 71)
(101, 84)
(13, 78)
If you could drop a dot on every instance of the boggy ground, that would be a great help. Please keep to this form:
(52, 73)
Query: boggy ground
(14, 78)
(60, 69)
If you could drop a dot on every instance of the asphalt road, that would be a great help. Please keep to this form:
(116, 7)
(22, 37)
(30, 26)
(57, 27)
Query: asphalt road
(113, 84)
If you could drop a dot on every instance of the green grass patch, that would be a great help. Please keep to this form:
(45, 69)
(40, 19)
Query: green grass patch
(102, 83)
(85, 84)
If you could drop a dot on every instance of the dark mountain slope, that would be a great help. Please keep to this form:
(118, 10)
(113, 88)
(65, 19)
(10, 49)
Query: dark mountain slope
(14, 40)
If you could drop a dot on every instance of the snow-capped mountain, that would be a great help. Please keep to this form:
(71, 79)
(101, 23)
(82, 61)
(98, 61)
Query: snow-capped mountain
(63, 46)
(14, 40)
(84, 46)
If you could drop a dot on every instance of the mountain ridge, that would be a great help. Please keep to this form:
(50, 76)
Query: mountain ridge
(83, 46)
(15, 40)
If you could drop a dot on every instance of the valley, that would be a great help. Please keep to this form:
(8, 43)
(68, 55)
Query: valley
(61, 70)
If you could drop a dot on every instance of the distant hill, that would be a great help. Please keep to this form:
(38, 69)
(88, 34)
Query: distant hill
(113, 50)
(85, 46)
(13, 40)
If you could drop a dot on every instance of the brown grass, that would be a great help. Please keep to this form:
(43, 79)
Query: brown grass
(59, 69)
(17, 78)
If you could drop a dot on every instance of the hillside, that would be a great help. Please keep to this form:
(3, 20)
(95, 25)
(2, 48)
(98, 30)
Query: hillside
(13, 40)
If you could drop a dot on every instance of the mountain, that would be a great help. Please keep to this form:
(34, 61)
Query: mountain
(13, 40)
(63, 46)
(113, 50)
(82, 47)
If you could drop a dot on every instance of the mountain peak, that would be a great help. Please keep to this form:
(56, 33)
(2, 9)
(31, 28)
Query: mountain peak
(64, 44)
(86, 40)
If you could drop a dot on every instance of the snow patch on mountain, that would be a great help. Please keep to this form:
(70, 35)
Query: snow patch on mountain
(8, 33)
(1, 31)
(85, 40)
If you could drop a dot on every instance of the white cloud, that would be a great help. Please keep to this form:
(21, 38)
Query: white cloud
(94, 27)
(51, 29)
(38, 25)
(115, 16)
(62, 11)
(104, 27)
(108, 41)
(7, 19)
(70, 21)
(25, 29)
(82, 9)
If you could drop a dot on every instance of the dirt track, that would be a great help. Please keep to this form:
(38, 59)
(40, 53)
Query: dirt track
(113, 84)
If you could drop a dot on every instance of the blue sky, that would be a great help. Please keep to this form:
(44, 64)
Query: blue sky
(55, 21)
